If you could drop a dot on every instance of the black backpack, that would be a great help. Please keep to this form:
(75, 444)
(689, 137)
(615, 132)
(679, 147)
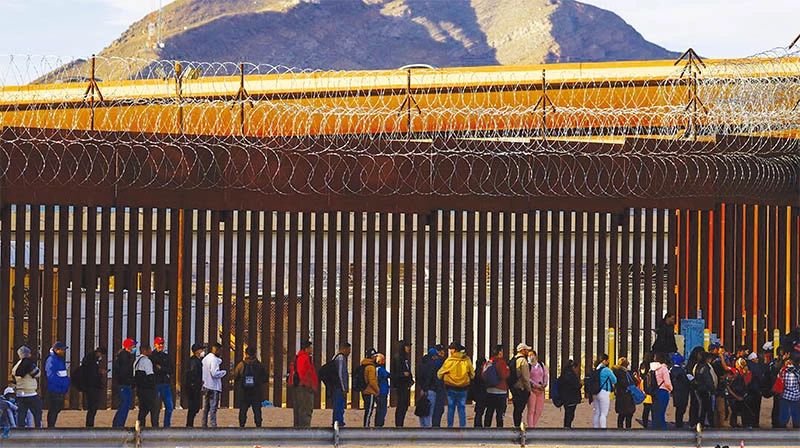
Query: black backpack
(360, 378)
(651, 385)
(329, 373)
(249, 380)
(513, 376)
(592, 384)
(78, 378)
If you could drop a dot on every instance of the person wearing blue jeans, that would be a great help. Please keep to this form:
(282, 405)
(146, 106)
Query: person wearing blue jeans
(162, 365)
(339, 394)
(122, 375)
(456, 399)
(661, 398)
(427, 420)
(125, 403)
(790, 397)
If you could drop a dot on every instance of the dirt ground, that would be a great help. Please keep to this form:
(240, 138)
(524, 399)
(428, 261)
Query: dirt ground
(282, 417)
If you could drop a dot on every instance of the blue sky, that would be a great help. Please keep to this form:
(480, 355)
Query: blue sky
(715, 28)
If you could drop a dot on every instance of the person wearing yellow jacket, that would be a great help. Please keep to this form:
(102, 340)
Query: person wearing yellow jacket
(371, 388)
(457, 373)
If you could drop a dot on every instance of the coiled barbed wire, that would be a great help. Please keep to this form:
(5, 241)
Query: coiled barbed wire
(603, 131)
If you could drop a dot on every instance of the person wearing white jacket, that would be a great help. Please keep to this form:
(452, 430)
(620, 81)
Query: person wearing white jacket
(212, 384)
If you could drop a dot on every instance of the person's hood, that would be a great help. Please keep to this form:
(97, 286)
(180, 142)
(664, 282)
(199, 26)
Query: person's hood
(655, 365)
(458, 356)
(250, 360)
(367, 361)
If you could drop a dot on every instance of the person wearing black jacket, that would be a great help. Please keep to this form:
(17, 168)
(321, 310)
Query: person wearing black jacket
(122, 375)
(162, 366)
(92, 382)
(665, 335)
(146, 390)
(569, 389)
(477, 393)
(249, 377)
(681, 388)
(193, 384)
(624, 404)
(755, 388)
(402, 380)
(426, 383)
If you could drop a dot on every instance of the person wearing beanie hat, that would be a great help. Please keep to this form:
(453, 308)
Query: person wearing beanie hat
(681, 388)
(90, 380)
(123, 379)
(249, 377)
(55, 367)
(368, 372)
(25, 373)
(162, 366)
(193, 384)
(426, 384)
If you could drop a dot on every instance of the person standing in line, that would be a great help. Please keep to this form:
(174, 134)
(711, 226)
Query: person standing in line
(540, 378)
(25, 373)
(212, 384)
(55, 367)
(681, 388)
(250, 376)
(193, 384)
(8, 411)
(402, 380)
(569, 389)
(601, 401)
(624, 404)
(162, 365)
(520, 382)
(426, 382)
(497, 395)
(665, 335)
(441, 393)
(382, 402)
(661, 398)
(647, 404)
(305, 384)
(146, 390)
(122, 376)
(756, 388)
(790, 397)
(457, 373)
(477, 392)
(93, 375)
(774, 369)
(370, 383)
(338, 393)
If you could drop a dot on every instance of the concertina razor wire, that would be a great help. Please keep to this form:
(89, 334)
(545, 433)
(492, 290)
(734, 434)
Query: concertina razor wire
(556, 131)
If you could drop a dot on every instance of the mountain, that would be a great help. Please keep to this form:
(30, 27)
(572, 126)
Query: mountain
(375, 34)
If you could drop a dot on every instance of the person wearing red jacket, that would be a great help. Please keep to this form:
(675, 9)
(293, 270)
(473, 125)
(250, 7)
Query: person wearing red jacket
(305, 382)
(497, 395)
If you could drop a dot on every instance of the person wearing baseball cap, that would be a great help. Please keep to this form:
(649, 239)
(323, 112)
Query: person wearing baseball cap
(122, 376)
(162, 366)
(371, 388)
(8, 411)
(521, 389)
(55, 367)
(193, 384)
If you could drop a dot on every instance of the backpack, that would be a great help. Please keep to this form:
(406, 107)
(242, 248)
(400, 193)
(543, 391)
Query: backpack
(592, 384)
(249, 376)
(555, 396)
(78, 378)
(292, 376)
(489, 375)
(329, 374)
(513, 376)
(423, 406)
(360, 378)
(651, 385)
(636, 394)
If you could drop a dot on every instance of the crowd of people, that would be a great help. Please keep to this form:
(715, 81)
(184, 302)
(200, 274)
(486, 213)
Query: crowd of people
(717, 387)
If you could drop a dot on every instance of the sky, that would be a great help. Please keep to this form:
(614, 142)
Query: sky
(714, 28)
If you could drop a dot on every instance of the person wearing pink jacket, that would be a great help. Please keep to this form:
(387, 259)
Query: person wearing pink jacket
(661, 398)
(539, 381)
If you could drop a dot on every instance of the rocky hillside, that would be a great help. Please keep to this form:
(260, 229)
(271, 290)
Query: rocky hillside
(375, 34)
